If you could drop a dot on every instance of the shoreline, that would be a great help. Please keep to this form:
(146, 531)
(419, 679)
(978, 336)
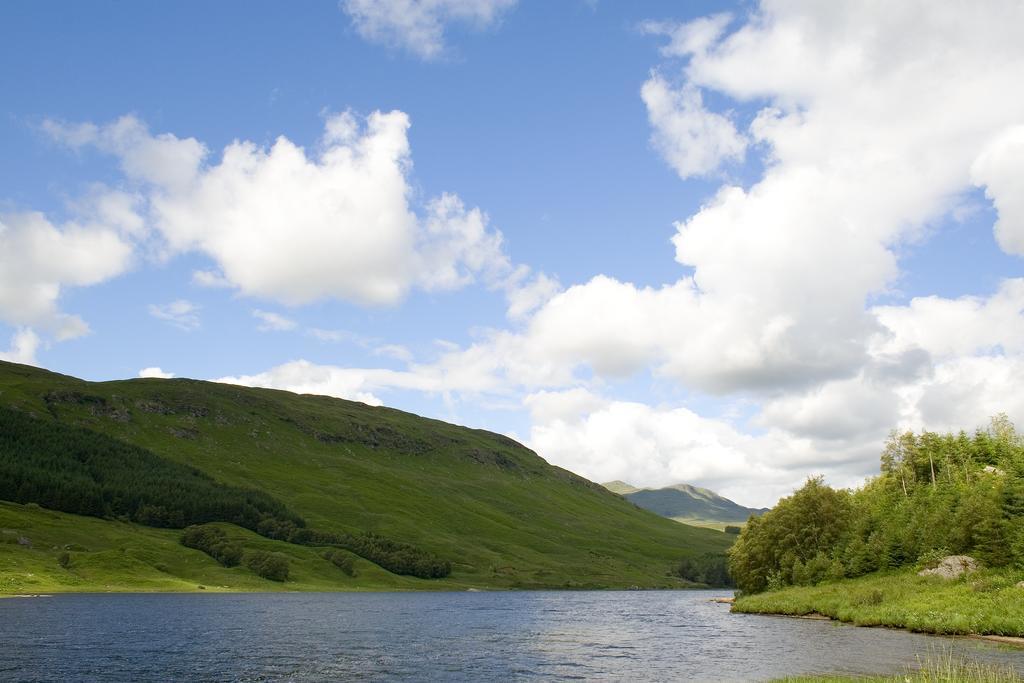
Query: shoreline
(1012, 641)
(221, 590)
(986, 603)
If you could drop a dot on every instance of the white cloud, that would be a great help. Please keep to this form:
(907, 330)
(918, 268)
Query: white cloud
(456, 244)
(497, 365)
(24, 344)
(843, 410)
(211, 279)
(164, 160)
(566, 406)
(692, 37)
(354, 384)
(296, 227)
(653, 446)
(693, 140)
(965, 326)
(526, 292)
(273, 322)
(913, 378)
(964, 393)
(38, 259)
(1000, 168)
(333, 335)
(395, 351)
(115, 209)
(181, 313)
(155, 372)
(419, 25)
(869, 138)
(286, 227)
(874, 121)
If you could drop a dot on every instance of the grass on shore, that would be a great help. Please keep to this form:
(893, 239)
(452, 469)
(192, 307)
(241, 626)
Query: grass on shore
(984, 602)
(946, 667)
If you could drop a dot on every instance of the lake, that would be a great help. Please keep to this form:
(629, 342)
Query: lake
(638, 635)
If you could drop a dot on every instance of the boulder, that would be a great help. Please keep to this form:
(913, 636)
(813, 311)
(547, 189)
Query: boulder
(951, 567)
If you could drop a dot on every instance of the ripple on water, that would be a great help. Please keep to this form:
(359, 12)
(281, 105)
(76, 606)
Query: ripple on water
(448, 636)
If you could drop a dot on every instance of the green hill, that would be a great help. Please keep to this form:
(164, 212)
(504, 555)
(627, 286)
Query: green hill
(687, 504)
(496, 512)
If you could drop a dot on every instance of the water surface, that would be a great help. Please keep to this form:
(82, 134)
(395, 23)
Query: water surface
(658, 635)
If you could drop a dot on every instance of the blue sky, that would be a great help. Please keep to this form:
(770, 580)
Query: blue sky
(740, 258)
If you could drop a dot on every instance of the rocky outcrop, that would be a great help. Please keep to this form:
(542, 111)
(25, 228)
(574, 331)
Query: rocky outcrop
(951, 567)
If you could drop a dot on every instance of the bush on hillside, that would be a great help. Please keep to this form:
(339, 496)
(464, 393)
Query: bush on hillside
(214, 542)
(341, 560)
(267, 565)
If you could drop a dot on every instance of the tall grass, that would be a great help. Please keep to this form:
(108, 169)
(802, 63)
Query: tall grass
(945, 666)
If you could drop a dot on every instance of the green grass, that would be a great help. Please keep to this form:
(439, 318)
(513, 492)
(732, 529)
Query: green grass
(984, 602)
(116, 556)
(945, 667)
(715, 524)
(501, 514)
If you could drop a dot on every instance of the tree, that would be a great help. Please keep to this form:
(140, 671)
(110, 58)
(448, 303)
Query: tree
(808, 523)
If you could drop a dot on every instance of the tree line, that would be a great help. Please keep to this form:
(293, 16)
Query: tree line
(77, 470)
(710, 568)
(396, 557)
(936, 495)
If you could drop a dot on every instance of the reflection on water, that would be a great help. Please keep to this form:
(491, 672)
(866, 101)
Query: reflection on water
(664, 635)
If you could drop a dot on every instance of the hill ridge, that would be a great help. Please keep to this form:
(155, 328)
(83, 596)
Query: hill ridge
(497, 510)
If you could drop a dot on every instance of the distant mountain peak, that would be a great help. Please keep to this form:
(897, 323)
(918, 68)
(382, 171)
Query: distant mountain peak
(685, 502)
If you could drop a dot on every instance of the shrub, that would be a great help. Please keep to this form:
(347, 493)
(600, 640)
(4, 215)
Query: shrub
(931, 558)
(64, 560)
(733, 530)
(342, 561)
(394, 556)
(267, 565)
(871, 597)
(214, 542)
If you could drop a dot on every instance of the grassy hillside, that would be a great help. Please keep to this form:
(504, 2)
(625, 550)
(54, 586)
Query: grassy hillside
(502, 515)
(106, 555)
(688, 504)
